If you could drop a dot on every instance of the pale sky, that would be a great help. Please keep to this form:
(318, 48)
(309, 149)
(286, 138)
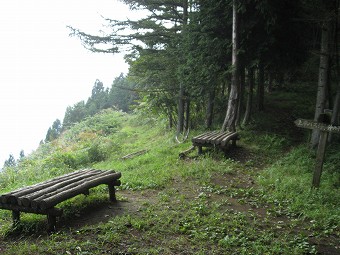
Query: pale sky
(43, 70)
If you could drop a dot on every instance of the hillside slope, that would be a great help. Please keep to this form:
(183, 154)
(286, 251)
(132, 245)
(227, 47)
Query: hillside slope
(255, 200)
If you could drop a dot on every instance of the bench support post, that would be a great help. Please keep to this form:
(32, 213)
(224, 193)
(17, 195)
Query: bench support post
(51, 222)
(199, 148)
(112, 192)
(15, 217)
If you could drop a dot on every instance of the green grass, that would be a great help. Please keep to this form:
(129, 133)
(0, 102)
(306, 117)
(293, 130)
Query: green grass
(259, 201)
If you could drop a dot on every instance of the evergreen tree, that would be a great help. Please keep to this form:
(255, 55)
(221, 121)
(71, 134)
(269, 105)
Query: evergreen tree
(74, 114)
(122, 94)
(10, 162)
(54, 131)
(22, 154)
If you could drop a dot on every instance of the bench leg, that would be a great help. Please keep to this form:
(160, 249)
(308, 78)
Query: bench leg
(233, 143)
(112, 193)
(16, 218)
(51, 222)
(199, 148)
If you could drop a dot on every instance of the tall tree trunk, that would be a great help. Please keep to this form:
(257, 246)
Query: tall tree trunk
(260, 88)
(250, 97)
(240, 107)
(210, 109)
(336, 106)
(187, 113)
(230, 118)
(270, 82)
(181, 101)
(321, 98)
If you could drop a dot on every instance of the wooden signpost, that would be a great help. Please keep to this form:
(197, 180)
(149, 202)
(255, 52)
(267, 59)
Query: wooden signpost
(324, 129)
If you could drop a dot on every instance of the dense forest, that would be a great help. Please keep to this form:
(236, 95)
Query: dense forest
(207, 61)
(210, 63)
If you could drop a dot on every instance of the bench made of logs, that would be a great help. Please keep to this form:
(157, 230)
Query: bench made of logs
(42, 198)
(212, 139)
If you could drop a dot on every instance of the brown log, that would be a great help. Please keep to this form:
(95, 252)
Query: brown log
(11, 197)
(183, 153)
(26, 199)
(54, 211)
(62, 196)
(34, 203)
(137, 153)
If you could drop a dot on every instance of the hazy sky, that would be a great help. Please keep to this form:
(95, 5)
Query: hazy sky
(43, 70)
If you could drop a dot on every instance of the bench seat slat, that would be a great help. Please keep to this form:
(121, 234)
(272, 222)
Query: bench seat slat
(11, 196)
(202, 138)
(66, 194)
(221, 138)
(25, 200)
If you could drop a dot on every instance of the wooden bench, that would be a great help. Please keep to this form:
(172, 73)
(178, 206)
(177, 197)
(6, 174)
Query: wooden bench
(42, 198)
(215, 139)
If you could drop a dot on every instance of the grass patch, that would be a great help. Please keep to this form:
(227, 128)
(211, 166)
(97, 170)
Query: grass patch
(257, 200)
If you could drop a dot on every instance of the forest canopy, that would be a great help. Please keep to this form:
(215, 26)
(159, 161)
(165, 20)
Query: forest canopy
(196, 59)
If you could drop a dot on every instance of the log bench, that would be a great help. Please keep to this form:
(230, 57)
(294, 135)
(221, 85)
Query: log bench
(42, 198)
(215, 139)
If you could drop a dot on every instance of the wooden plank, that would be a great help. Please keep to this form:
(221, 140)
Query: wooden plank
(205, 138)
(54, 211)
(319, 159)
(202, 138)
(26, 199)
(227, 134)
(199, 136)
(11, 197)
(226, 140)
(214, 137)
(36, 201)
(219, 138)
(310, 124)
(62, 196)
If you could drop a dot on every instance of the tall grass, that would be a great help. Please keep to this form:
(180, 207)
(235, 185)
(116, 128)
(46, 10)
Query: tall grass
(289, 181)
(190, 212)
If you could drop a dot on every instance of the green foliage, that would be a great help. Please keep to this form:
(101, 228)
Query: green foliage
(289, 181)
(120, 96)
(258, 201)
(54, 131)
(10, 162)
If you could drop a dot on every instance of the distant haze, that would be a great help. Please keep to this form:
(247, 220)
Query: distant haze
(43, 70)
